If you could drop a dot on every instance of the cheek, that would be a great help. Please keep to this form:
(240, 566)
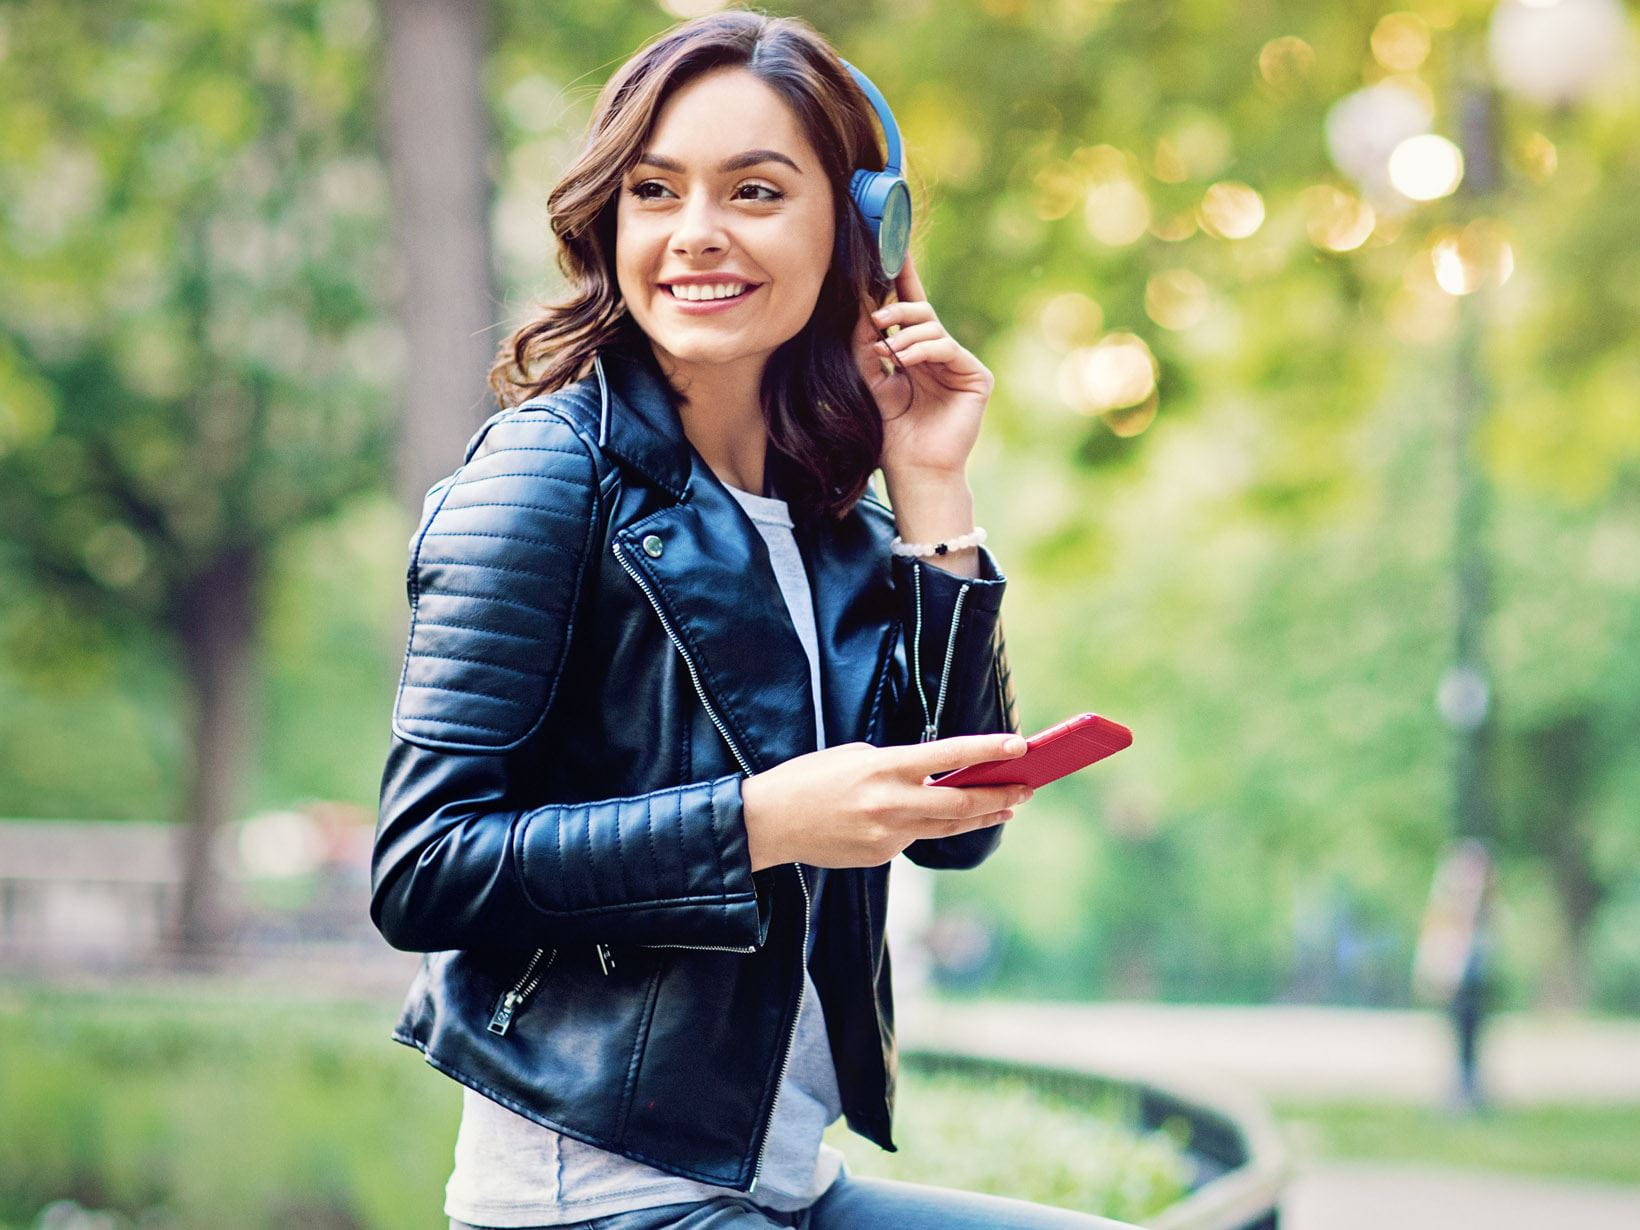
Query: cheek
(811, 247)
(632, 249)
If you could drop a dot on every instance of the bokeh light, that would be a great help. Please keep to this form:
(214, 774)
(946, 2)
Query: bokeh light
(1176, 228)
(1166, 163)
(1132, 420)
(1538, 157)
(1116, 211)
(1058, 189)
(1365, 126)
(1116, 373)
(1176, 298)
(1480, 254)
(1071, 319)
(1563, 51)
(1400, 41)
(1203, 143)
(1286, 63)
(1426, 167)
(1231, 210)
(1336, 220)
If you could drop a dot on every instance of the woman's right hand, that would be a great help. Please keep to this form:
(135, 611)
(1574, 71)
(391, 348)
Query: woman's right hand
(858, 805)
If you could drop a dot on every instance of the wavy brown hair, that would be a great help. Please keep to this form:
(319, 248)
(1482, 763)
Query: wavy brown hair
(825, 431)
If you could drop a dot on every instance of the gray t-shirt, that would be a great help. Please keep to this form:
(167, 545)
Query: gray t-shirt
(511, 1171)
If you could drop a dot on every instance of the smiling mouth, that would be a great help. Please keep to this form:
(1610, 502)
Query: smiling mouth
(745, 290)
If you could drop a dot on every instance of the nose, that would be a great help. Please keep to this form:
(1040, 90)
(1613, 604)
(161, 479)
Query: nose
(699, 231)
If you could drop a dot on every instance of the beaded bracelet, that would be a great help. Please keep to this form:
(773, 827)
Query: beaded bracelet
(973, 538)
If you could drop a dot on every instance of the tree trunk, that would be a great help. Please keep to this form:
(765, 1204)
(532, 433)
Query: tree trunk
(1563, 761)
(438, 138)
(215, 627)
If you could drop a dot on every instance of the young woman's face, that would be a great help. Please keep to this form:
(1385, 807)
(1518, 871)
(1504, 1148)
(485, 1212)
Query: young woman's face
(728, 188)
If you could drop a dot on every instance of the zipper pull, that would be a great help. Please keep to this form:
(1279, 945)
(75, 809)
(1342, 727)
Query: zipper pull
(928, 732)
(606, 959)
(501, 1021)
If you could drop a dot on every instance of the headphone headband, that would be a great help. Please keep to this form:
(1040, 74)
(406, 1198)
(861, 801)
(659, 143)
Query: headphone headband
(891, 130)
(882, 196)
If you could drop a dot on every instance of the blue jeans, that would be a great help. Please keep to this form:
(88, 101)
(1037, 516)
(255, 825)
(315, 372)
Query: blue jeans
(852, 1203)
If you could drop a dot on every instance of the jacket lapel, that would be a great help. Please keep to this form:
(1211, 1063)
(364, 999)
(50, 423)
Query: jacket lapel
(707, 569)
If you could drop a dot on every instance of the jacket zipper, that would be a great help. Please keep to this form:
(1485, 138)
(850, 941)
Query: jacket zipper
(802, 883)
(694, 677)
(931, 723)
(507, 1006)
(950, 652)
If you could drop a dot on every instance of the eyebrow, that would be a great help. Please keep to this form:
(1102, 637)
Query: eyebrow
(736, 162)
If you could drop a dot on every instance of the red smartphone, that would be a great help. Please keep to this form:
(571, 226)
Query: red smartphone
(1049, 755)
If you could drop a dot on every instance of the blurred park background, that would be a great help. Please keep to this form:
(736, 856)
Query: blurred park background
(1314, 458)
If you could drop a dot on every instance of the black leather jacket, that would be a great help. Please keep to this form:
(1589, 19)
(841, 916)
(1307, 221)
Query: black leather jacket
(598, 655)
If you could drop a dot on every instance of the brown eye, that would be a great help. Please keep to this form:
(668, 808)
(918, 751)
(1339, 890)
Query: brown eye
(774, 193)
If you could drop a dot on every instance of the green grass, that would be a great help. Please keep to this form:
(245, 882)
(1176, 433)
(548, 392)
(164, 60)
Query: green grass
(206, 1109)
(1561, 1141)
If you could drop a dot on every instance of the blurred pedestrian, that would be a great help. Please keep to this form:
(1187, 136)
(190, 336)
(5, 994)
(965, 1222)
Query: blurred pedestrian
(1452, 965)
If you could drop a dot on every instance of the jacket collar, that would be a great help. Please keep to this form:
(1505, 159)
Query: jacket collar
(639, 420)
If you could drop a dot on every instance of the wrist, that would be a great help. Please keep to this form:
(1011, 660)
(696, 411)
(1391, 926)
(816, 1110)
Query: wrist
(935, 506)
(930, 507)
(757, 847)
(924, 478)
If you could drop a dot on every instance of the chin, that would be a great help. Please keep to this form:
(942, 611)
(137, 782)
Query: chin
(707, 350)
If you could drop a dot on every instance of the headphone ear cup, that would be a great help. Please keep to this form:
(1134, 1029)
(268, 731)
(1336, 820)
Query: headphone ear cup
(882, 196)
(885, 202)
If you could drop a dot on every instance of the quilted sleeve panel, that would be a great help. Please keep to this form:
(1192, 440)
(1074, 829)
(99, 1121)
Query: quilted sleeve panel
(495, 567)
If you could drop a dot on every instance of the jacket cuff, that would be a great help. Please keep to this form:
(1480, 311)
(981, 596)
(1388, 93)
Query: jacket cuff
(962, 663)
(951, 627)
(667, 867)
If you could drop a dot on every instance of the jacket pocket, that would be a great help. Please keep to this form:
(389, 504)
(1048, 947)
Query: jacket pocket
(512, 999)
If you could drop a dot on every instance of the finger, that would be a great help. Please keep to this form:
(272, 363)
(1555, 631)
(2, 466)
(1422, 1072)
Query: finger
(903, 313)
(950, 828)
(955, 751)
(867, 332)
(927, 331)
(937, 350)
(956, 802)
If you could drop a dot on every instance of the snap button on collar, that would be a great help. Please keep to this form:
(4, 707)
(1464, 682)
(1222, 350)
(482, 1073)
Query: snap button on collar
(652, 545)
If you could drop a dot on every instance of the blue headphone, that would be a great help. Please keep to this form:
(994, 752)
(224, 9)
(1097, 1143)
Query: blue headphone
(882, 196)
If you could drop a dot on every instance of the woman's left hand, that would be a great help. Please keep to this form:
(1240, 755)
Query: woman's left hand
(933, 400)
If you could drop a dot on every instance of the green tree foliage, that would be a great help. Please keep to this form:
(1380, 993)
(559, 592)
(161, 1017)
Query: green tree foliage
(193, 355)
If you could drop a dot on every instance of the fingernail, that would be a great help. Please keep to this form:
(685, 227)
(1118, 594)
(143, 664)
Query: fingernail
(1008, 814)
(1014, 745)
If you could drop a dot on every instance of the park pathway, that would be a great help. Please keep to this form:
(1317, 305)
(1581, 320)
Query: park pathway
(1286, 1052)
(1373, 1195)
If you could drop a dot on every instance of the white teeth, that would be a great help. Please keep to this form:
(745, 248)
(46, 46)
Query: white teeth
(722, 290)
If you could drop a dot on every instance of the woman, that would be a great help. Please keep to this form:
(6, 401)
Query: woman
(674, 688)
